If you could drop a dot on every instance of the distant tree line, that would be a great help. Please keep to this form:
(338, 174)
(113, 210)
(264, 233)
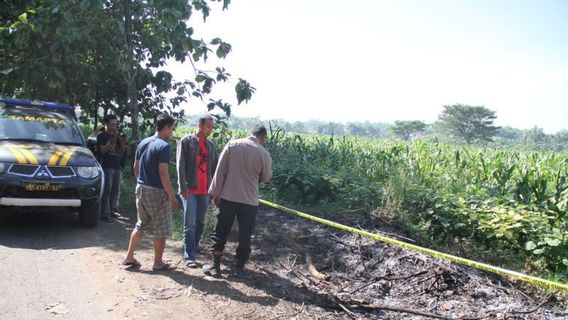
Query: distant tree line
(456, 124)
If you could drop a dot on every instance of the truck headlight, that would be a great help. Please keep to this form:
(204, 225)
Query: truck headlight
(88, 172)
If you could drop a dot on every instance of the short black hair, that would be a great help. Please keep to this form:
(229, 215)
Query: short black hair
(163, 121)
(109, 117)
(259, 130)
(205, 118)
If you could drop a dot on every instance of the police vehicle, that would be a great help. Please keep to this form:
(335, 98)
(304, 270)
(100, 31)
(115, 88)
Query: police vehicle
(44, 162)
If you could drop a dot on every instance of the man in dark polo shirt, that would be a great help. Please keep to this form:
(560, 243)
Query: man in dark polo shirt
(111, 149)
(155, 198)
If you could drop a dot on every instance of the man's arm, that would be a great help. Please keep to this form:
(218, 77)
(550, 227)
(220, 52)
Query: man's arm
(266, 172)
(121, 144)
(220, 174)
(103, 143)
(165, 179)
(215, 159)
(136, 168)
(180, 166)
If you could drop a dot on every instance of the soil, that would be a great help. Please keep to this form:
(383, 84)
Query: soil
(364, 279)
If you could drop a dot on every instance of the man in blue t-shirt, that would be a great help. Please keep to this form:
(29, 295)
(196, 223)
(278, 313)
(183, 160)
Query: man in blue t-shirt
(155, 198)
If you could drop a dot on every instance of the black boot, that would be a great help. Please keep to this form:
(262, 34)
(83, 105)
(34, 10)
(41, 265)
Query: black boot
(213, 269)
(240, 269)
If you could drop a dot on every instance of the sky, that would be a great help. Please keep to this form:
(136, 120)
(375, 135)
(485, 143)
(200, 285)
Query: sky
(381, 61)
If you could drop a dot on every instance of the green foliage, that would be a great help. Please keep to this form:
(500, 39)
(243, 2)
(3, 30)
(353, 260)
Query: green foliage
(244, 91)
(496, 199)
(110, 55)
(536, 139)
(501, 203)
(324, 170)
(406, 129)
(505, 137)
(469, 123)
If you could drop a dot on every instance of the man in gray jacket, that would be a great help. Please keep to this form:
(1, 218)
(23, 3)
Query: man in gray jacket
(196, 162)
(243, 164)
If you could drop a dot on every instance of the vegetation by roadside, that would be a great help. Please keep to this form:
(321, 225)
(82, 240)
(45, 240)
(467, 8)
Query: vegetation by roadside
(489, 203)
(501, 206)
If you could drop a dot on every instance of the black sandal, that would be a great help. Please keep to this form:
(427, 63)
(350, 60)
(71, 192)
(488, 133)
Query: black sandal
(133, 263)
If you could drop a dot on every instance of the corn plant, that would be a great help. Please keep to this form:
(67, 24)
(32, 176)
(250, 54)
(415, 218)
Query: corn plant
(502, 198)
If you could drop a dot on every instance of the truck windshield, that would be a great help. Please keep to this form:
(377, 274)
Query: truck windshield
(19, 123)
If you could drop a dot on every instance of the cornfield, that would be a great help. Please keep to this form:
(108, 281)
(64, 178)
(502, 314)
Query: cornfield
(500, 203)
(500, 200)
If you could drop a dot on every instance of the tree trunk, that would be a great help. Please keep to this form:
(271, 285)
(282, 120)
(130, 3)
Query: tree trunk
(133, 105)
(130, 75)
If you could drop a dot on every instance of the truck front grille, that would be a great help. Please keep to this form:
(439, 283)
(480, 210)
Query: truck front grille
(23, 169)
(60, 172)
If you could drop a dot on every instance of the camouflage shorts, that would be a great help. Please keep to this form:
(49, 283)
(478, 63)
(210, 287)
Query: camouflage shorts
(154, 211)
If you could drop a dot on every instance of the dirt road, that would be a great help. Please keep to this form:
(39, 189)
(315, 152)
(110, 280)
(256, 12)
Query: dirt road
(53, 269)
(42, 271)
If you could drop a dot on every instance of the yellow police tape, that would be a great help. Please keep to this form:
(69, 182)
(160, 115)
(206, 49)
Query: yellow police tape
(470, 263)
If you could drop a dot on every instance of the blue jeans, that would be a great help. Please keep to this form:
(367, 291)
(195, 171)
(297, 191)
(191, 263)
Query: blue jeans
(194, 208)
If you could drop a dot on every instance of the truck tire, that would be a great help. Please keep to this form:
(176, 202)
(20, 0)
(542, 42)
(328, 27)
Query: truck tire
(89, 214)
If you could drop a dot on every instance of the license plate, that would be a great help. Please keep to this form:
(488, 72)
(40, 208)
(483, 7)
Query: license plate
(42, 187)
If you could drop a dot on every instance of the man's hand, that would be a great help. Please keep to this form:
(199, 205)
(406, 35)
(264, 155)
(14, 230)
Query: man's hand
(185, 194)
(173, 202)
(105, 147)
(217, 200)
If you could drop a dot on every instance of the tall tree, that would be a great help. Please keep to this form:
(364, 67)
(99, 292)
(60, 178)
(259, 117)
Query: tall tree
(536, 138)
(44, 50)
(560, 140)
(470, 123)
(331, 128)
(111, 54)
(356, 129)
(407, 129)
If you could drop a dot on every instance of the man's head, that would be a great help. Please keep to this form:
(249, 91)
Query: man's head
(110, 122)
(205, 126)
(260, 133)
(165, 125)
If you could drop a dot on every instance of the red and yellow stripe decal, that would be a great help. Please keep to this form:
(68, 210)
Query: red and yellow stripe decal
(24, 156)
(16, 152)
(31, 158)
(53, 160)
(64, 155)
(66, 158)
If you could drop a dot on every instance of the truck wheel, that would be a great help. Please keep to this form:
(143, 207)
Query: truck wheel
(89, 214)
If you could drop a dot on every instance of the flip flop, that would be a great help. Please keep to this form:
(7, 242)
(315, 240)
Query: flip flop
(165, 266)
(117, 215)
(133, 263)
